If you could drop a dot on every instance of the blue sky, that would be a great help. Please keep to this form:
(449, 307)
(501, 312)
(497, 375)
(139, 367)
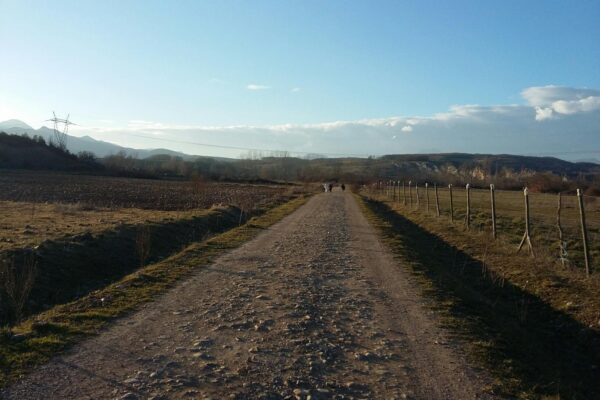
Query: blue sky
(283, 74)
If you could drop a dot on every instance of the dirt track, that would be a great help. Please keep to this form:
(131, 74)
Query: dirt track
(313, 306)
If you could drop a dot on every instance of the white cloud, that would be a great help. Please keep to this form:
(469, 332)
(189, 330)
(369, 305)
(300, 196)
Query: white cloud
(254, 86)
(543, 113)
(295, 90)
(567, 107)
(546, 95)
(547, 124)
(553, 101)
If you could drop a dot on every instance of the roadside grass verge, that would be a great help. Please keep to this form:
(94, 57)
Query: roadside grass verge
(71, 267)
(525, 321)
(37, 339)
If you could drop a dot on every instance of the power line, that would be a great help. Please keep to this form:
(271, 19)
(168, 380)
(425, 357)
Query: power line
(330, 154)
(362, 155)
(219, 146)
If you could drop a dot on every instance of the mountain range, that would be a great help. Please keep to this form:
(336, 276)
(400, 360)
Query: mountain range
(454, 164)
(86, 143)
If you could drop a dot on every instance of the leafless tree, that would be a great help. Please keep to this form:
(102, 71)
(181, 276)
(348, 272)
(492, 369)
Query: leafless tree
(143, 244)
(16, 283)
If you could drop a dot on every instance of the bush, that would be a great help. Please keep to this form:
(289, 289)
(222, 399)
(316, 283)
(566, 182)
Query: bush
(16, 282)
(548, 183)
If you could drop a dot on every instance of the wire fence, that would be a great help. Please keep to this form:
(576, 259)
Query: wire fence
(565, 227)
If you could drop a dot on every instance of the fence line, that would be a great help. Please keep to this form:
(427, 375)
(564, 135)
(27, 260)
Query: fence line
(568, 226)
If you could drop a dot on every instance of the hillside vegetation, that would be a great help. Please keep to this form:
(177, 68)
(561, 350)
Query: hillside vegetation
(24, 152)
(543, 174)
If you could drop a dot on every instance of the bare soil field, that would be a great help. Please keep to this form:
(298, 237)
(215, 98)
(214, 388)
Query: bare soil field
(101, 191)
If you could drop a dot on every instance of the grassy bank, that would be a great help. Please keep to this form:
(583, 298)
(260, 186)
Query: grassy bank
(37, 339)
(531, 324)
(71, 267)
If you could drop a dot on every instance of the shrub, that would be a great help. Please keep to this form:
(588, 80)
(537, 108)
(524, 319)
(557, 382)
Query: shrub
(16, 282)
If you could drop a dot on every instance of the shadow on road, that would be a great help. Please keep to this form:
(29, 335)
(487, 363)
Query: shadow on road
(530, 346)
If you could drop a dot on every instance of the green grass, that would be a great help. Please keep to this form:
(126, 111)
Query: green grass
(53, 331)
(508, 310)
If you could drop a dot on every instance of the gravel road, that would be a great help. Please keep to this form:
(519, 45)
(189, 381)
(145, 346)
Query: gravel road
(314, 306)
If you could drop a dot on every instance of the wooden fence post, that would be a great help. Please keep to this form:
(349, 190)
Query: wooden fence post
(403, 193)
(437, 200)
(493, 199)
(417, 191)
(526, 236)
(586, 251)
(399, 190)
(563, 245)
(410, 193)
(451, 204)
(468, 216)
(427, 195)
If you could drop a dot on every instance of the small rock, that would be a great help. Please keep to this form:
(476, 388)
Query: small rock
(203, 356)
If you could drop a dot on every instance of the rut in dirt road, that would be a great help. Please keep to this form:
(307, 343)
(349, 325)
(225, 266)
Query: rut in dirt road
(313, 306)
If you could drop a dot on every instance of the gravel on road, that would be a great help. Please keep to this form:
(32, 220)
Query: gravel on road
(313, 308)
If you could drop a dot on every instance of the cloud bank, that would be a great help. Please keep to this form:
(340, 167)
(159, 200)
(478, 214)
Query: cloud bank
(554, 120)
(553, 101)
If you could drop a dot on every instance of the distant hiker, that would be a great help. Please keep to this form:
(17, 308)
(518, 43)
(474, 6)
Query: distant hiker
(325, 187)
(331, 187)
(343, 187)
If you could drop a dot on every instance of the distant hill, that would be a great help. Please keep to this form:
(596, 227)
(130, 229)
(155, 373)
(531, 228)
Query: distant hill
(86, 143)
(504, 170)
(491, 164)
(13, 123)
(18, 152)
(457, 168)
